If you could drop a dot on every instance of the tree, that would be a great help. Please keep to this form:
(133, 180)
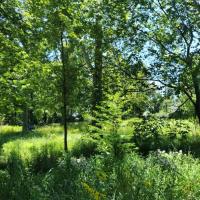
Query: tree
(173, 34)
(62, 33)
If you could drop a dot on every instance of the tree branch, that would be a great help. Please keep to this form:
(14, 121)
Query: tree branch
(181, 105)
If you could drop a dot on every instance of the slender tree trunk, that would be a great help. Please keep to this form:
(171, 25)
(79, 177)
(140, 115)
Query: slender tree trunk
(64, 58)
(25, 127)
(97, 71)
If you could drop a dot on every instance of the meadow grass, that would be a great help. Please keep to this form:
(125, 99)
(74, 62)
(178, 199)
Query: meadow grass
(50, 174)
(13, 139)
(4, 129)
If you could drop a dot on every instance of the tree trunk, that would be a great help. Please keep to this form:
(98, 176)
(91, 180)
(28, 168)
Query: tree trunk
(64, 58)
(196, 83)
(25, 127)
(197, 109)
(97, 71)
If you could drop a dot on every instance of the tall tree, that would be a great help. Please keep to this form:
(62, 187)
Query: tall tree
(98, 64)
(174, 35)
(61, 34)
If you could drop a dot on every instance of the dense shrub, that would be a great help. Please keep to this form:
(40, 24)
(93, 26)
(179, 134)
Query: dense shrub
(161, 176)
(62, 182)
(148, 135)
(85, 147)
(153, 134)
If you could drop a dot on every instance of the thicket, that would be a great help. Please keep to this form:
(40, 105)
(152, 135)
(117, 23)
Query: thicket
(160, 175)
(108, 163)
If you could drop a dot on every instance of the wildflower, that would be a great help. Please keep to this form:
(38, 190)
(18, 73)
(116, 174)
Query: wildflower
(95, 194)
(78, 162)
(147, 184)
(101, 175)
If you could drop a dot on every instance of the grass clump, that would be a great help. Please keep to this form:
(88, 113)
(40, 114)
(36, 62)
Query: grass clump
(44, 159)
(86, 147)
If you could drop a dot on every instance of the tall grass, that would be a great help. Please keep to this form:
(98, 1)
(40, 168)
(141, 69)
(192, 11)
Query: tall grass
(160, 176)
(13, 139)
(36, 168)
(5, 129)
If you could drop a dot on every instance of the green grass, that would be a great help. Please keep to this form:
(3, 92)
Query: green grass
(10, 129)
(50, 174)
(159, 176)
(13, 139)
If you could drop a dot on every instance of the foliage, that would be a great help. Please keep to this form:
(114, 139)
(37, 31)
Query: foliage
(147, 134)
(113, 60)
(152, 134)
(161, 176)
(173, 33)
(108, 119)
(86, 147)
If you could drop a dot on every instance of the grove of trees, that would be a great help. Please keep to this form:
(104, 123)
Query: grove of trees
(60, 59)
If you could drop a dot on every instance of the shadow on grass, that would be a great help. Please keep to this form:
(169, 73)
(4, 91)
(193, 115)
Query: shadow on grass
(9, 136)
(41, 131)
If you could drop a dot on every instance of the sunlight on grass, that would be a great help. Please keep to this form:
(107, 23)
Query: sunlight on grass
(10, 129)
(25, 144)
(12, 138)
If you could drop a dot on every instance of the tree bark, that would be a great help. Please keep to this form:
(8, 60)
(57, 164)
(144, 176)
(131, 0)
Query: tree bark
(64, 59)
(25, 127)
(97, 71)
(196, 82)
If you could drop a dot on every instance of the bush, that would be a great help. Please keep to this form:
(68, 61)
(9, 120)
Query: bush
(147, 135)
(153, 134)
(62, 181)
(85, 147)
(160, 175)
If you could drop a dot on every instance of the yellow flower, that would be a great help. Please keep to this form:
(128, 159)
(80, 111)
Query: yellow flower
(95, 194)
(147, 184)
(101, 175)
